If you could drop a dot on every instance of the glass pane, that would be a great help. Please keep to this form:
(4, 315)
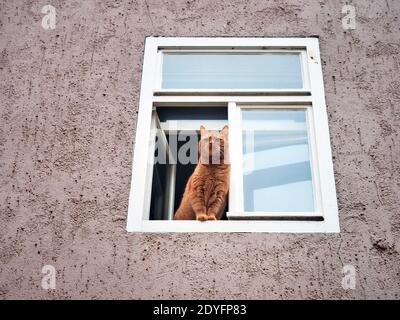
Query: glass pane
(232, 71)
(276, 162)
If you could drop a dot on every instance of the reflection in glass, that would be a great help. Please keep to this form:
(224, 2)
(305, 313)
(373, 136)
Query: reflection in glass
(231, 71)
(276, 162)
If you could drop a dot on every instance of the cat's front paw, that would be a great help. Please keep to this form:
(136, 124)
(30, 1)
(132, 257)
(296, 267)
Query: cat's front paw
(201, 217)
(211, 217)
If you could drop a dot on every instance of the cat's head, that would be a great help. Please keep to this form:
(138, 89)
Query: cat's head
(213, 146)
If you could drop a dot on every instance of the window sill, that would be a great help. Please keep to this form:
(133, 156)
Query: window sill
(158, 226)
(277, 216)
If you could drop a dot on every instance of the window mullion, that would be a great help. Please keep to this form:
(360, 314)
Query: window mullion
(150, 167)
(235, 155)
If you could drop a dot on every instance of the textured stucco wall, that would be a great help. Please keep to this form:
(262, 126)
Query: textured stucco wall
(69, 101)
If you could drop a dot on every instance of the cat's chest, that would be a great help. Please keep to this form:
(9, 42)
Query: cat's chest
(209, 186)
(211, 180)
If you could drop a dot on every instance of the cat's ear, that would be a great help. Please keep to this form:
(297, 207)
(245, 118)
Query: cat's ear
(225, 131)
(202, 130)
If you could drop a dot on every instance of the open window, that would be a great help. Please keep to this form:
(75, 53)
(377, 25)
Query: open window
(176, 136)
(270, 93)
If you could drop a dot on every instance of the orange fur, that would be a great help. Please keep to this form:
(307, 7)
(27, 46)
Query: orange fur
(206, 191)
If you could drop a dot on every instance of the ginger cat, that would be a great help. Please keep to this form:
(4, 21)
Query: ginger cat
(206, 191)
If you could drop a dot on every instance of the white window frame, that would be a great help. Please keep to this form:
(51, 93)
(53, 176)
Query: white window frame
(311, 98)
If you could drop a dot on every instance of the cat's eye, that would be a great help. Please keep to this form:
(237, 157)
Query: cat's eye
(269, 91)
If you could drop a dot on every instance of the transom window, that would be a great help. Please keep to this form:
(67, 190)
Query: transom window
(231, 70)
(269, 91)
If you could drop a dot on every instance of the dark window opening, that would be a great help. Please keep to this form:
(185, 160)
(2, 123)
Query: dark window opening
(169, 180)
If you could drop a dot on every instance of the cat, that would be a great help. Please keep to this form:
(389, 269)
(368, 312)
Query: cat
(207, 188)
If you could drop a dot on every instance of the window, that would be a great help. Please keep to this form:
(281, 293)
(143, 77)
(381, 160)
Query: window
(269, 91)
(245, 70)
